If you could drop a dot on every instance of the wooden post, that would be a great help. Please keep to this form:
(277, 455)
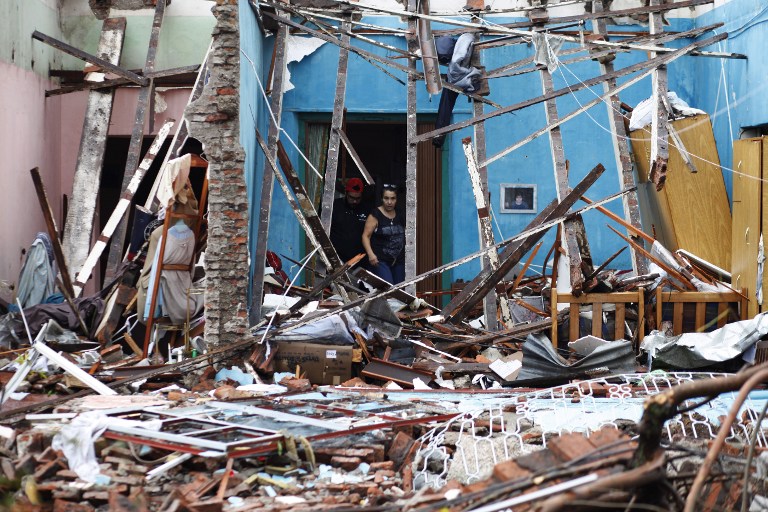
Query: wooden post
(462, 303)
(659, 130)
(332, 162)
(411, 158)
(120, 209)
(53, 232)
(85, 190)
(137, 137)
(486, 239)
(267, 184)
(620, 147)
(573, 230)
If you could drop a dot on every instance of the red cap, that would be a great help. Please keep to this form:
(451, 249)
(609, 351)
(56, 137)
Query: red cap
(354, 185)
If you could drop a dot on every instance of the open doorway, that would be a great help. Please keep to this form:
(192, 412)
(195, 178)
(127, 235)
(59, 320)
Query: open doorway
(381, 145)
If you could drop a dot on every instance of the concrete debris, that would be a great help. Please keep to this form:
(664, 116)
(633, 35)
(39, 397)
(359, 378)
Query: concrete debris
(207, 374)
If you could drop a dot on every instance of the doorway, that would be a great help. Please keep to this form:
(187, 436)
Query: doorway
(381, 146)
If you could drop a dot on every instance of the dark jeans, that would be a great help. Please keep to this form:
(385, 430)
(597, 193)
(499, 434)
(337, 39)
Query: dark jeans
(392, 274)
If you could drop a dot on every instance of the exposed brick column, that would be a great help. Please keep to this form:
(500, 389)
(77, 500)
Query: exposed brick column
(214, 121)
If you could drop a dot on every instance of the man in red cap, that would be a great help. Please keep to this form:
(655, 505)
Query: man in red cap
(349, 215)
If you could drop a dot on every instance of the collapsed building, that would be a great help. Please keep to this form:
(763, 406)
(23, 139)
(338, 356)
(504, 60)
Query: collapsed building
(580, 320)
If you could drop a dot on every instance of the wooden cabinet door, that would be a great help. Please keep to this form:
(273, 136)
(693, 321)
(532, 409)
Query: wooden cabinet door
(745, 233)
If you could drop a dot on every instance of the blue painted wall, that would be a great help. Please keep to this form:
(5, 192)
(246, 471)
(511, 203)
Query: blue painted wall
(251, 111)
(586, 139)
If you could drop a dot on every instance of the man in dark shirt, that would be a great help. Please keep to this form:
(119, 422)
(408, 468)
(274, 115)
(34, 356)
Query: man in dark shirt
(349, 215)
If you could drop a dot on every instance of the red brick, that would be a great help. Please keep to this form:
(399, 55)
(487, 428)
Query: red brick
(69, 506)
(509, 470)
(347, 463)
(570, 446)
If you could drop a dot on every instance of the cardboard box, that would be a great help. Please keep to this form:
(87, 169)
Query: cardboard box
(322, 364)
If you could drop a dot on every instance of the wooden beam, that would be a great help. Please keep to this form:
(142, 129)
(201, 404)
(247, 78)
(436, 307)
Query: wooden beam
(394, 290)
(53, 232)
(108, 64)
(137, 138)
(355, 157)
(513, 69)
(559, 20)
(87, 180)
(267, 184)
(332, 161)
(302, 206)
(619, 140)
(486, 239)
(370, 56)
(411, 160)
(573, 229)
(583, 108)
(651, 63)
(659, 118)
(122, 207)
(500, 29)
(464, 301)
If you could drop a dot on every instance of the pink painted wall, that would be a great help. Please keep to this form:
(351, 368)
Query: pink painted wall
(45, 132)
(29, 137)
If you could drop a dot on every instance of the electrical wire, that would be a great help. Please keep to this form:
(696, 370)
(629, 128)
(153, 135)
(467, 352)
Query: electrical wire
(681, 150)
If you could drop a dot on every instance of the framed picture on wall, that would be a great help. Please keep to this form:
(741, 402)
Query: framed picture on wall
(518, 198)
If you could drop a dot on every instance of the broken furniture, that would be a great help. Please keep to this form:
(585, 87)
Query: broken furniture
(196, 220)
(750, 214)
(691, 211)
(698, 311)
(597, 304)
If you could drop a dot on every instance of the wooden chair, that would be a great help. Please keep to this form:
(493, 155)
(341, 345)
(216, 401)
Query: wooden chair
(597, 300)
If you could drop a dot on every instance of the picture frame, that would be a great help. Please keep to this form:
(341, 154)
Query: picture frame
(518, 198)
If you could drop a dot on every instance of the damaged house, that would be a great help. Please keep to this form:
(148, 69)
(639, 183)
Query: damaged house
(382, 255)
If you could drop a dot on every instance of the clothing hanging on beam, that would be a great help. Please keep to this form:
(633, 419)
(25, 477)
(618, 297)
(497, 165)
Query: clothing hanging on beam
(456, 53)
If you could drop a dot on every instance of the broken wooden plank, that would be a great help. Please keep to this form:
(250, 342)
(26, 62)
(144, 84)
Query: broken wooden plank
(302, 205)
(108, 63)
(619, 139)
(87, 180)
(486, 237)
(355, 157)
(411, 160)
(53, 232)
(651, 63)
(396, 290)
(332, 160)
(321, 285)
(267, 185)
(500, 29)
(659, 118)
(370, 56)
(583, 108)
(120, 210)
(669, 270)
(173, 77)
(71, 368)
(464, 301)
(137, 138)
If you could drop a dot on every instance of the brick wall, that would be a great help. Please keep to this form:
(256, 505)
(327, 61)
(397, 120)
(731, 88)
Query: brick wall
(214, 121)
